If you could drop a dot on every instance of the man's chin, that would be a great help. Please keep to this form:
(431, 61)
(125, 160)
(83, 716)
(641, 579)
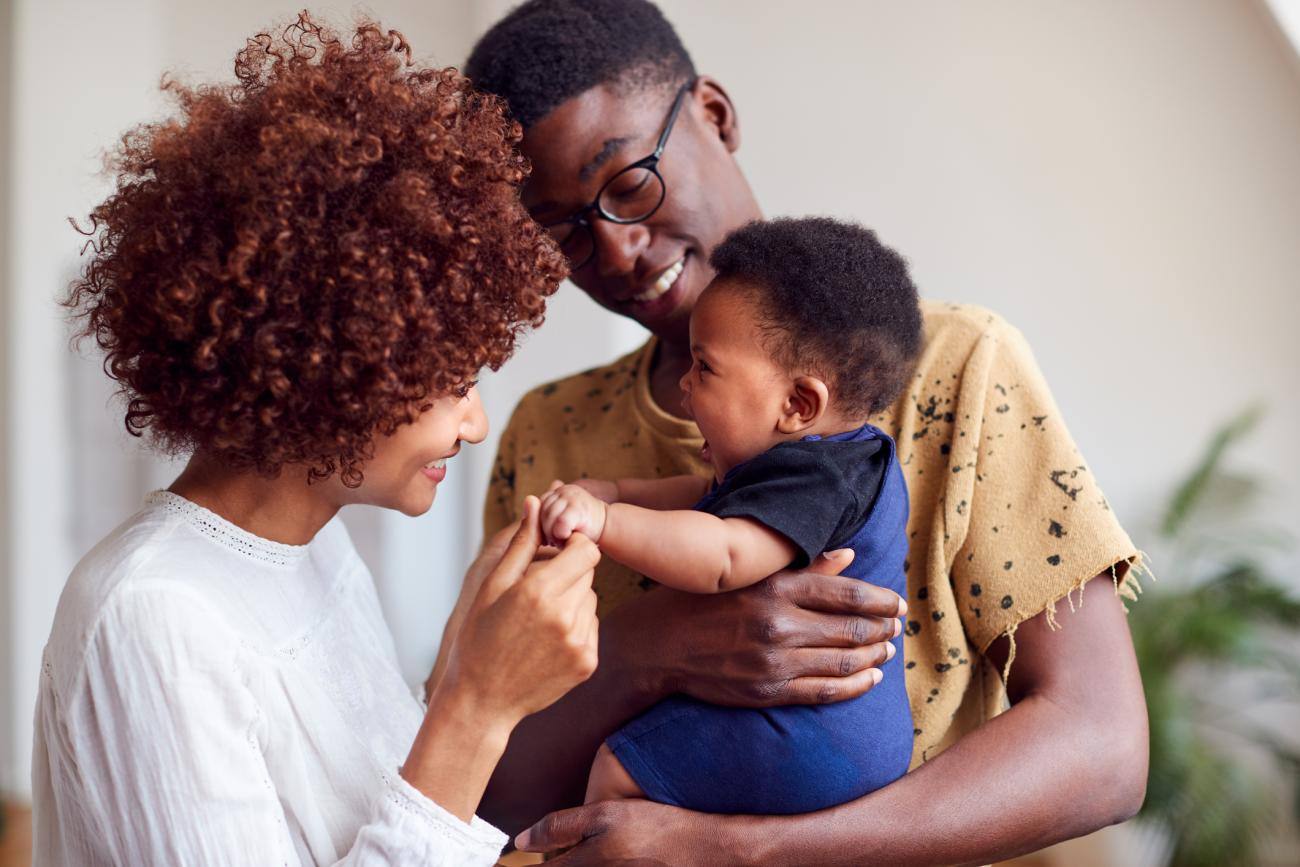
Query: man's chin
(667, 317)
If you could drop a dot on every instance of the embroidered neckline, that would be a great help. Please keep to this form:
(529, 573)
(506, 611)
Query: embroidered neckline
(226, 534)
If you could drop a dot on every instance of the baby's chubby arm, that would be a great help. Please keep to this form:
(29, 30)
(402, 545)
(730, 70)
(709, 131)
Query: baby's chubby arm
(672, 492)
(681, 548)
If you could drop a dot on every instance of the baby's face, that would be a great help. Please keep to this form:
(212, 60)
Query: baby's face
(734, 390)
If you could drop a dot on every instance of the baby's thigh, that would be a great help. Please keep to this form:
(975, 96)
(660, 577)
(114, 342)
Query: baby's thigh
(609, 780)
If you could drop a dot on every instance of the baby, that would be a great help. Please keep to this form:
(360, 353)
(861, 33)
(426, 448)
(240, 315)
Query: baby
(810, 326)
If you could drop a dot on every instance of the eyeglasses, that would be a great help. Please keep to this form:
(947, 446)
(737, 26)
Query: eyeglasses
(631, 196)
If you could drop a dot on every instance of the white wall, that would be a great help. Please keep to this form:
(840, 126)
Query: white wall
(6, 604)
(1120, 180)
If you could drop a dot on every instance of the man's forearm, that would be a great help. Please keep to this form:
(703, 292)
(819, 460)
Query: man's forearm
(549, 754)
(1069, 757)
(1000, 792)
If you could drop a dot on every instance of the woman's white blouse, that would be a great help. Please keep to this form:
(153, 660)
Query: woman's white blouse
(213, 698)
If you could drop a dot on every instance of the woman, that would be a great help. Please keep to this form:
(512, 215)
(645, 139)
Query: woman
(296, 283)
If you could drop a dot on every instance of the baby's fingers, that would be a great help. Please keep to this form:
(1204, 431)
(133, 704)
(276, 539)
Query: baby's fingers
(567, 523)
(552, 508)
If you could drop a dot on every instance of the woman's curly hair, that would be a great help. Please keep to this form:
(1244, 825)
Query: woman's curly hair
(304, 259)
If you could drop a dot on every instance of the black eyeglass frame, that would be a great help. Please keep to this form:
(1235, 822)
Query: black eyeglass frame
(579, 218)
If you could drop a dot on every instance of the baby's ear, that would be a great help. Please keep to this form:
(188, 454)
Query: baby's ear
(806, 402)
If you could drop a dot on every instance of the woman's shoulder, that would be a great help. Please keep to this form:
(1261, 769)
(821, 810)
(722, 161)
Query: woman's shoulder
(132, 580)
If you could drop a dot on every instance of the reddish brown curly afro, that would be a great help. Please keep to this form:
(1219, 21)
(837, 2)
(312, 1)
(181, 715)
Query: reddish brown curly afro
(304, 259)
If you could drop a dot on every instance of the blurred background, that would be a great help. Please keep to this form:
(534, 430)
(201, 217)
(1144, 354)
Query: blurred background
(1119, 179)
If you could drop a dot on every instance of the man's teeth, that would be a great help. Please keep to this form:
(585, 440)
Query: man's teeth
(436, 465)
(663, 283)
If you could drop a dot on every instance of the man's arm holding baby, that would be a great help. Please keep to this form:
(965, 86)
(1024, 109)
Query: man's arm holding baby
(681, 548)
(1070, 756)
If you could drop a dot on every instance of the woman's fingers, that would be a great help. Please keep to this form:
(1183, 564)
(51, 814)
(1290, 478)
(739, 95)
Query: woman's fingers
(574, 565)
(580, 600)
(519, 553)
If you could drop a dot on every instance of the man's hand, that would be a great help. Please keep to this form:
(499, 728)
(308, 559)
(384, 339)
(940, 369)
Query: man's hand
(570, 509)
(807, 637)
(631, 832)
(602, 489)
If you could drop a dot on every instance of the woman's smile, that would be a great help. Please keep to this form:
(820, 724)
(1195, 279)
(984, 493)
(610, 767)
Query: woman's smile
(435, 471)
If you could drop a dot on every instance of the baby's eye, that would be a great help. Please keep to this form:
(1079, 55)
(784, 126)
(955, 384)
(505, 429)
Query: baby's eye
(704, 367)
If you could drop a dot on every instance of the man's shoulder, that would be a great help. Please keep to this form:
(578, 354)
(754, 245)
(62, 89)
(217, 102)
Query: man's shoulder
(584, 387)
(956, 334)
(950, 322)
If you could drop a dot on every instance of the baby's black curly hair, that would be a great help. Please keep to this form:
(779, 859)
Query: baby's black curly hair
(545, 52)
(306, 258)
(832, 299)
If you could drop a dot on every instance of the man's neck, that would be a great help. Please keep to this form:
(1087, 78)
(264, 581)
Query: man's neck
(284, 509)
(671, 361)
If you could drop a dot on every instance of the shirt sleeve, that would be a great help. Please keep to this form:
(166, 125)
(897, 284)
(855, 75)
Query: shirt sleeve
(164, 736)
(813, 493)
(1038, 526)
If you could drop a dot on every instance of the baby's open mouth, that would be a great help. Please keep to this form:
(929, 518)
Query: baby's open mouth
(706, 453)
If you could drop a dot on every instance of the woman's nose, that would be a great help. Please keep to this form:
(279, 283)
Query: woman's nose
(474, 426)
(618, 246)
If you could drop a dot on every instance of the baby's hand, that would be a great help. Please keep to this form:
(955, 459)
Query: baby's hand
(570, 509)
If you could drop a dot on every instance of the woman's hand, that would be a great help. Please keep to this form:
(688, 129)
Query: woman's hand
(531, 633)
(528, 637)
(488, 557)
(807, 637)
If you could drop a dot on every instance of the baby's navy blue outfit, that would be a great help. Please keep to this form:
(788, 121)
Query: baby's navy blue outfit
(841, 491)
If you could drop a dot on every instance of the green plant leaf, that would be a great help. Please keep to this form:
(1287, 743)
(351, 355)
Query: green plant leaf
(1193, 488)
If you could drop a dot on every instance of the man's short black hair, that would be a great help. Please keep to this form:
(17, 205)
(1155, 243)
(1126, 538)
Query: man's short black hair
(833, 300)
(545, 52)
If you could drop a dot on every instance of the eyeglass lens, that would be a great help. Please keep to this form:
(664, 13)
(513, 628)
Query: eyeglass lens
(630, 196)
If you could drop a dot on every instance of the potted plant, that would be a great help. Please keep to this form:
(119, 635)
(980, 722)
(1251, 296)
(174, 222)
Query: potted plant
(1217, 645)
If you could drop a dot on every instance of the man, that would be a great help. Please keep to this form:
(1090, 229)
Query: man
(1006, 520)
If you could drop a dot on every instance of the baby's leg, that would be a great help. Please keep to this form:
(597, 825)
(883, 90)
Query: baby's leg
(609, 780)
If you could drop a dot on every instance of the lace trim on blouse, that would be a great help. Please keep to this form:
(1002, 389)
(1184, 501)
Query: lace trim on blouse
(226, 534)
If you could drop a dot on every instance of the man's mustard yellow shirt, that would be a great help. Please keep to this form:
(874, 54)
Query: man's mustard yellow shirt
(1006, 519)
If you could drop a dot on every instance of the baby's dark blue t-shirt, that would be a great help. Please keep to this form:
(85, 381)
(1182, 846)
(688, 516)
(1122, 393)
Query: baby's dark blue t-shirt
(826, 493)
